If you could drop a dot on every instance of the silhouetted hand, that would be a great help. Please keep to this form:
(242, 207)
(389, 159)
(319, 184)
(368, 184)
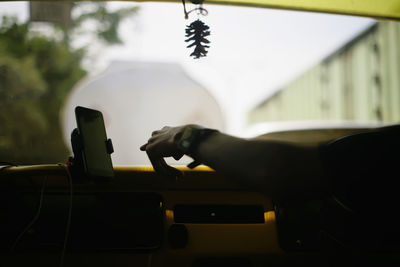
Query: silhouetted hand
(163, 143)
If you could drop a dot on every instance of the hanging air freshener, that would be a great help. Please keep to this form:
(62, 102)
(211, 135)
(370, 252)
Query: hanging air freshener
(197, 31)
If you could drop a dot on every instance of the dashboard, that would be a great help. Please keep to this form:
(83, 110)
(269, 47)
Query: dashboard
(139, 218)
(136, 217)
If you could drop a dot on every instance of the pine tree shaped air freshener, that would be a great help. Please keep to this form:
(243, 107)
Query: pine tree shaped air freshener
(197, 31)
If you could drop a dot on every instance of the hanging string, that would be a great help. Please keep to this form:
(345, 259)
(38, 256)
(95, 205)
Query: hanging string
(184, 9)
(201, 10)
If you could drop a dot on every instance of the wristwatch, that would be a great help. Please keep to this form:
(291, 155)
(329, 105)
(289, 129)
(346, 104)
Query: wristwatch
(192, 136)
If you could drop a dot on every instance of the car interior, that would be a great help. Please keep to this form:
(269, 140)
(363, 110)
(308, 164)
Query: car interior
(68, 198)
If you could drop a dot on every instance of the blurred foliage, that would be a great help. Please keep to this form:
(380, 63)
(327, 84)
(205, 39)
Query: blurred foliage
(107, 22)
(36, 74)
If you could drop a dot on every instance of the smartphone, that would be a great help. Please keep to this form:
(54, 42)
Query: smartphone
(96, 159)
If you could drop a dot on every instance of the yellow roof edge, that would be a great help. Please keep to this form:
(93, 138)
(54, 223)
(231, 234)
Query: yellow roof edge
(388, 10)
(297, 8)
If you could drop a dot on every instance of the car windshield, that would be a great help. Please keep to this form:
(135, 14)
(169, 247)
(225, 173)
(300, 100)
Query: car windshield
(131, 62)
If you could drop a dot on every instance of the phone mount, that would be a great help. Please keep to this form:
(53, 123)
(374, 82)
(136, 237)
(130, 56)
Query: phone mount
(76, 163)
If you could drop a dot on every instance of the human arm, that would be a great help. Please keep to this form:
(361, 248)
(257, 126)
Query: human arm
(281, 170)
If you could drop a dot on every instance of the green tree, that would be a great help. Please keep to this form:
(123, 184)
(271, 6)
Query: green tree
(36, 74)
(106, 22)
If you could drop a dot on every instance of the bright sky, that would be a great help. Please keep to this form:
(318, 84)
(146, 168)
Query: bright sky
(253, 51)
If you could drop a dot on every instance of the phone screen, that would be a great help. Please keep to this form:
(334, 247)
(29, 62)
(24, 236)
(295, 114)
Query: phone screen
(96, 159)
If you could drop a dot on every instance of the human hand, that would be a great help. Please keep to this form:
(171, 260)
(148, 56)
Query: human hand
(163, 143)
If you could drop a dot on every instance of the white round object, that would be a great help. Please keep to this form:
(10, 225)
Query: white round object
(137, 98)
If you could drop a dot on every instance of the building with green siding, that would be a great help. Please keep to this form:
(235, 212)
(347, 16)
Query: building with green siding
(360, 81)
